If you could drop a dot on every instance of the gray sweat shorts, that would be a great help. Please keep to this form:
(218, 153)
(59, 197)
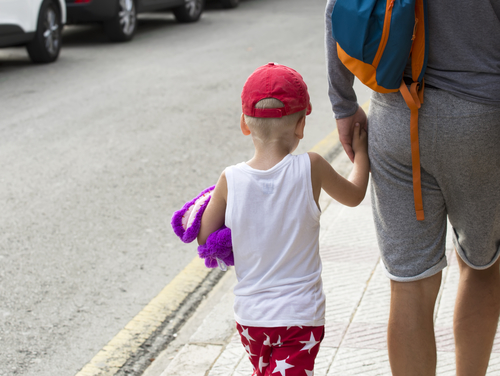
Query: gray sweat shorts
(460, 167)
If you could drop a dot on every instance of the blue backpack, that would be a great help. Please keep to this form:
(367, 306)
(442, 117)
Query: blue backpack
(375, 39)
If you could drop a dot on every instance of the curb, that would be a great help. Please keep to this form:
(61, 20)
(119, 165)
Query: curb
(328, 147)
(160, 318)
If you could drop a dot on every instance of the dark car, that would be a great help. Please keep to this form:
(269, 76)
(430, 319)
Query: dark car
(120, 16)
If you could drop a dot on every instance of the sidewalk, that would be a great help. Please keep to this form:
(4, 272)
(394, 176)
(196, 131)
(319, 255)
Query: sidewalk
(357, 298)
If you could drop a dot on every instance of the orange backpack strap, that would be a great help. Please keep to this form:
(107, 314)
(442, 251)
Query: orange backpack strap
(414, 99)
(375, 39)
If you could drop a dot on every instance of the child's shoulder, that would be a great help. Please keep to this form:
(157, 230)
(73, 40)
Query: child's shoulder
(317, 161)
(313, 156)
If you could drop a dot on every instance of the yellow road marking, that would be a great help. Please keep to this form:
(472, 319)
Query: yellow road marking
(325, 145)
(126, 343)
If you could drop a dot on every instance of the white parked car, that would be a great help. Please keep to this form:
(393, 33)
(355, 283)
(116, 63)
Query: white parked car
(37, 24)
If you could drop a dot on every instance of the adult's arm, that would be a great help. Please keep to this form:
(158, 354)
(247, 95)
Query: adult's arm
(342, 96)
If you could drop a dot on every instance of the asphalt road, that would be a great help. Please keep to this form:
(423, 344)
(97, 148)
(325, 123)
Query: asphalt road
(98, 149)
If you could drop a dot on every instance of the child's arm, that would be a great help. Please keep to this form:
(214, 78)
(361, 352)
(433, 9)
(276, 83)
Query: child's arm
(349, 191)
(214, 215)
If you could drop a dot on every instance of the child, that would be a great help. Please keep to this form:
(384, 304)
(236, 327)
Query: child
(270, 203)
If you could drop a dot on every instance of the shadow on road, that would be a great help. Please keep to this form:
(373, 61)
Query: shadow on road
(78, 35)
(16, 57)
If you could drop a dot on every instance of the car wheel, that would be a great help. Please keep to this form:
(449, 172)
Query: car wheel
(121, 28)
(230, 3)
(45, 46)
(189, 12)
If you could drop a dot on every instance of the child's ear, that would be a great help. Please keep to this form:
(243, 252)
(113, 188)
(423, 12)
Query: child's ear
(244, 126)
(299, 127)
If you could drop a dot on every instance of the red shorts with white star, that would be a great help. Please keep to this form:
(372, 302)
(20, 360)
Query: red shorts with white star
(282, 351)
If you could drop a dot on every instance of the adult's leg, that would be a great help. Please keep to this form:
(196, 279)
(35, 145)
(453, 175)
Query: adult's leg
(410, 334)
(413, 252)
(477, 309)
(469, 164)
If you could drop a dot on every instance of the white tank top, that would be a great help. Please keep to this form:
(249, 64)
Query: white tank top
(274, 224)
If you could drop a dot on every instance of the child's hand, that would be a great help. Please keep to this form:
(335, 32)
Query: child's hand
(359, 140)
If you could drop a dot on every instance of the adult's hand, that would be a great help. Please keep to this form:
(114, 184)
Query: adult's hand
(345, 128)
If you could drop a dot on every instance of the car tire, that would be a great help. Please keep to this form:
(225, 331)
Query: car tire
(189, 12)
(122, 26)
(46, 44)
(230, 3)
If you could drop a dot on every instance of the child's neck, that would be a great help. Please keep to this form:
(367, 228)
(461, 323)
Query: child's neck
(269, 155)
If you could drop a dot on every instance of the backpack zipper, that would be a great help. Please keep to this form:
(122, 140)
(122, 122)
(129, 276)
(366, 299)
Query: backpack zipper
(385, 33)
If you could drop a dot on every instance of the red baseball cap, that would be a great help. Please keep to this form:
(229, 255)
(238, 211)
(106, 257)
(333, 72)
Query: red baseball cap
(279, 82)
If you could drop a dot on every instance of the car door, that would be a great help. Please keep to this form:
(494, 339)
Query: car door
(20, 13)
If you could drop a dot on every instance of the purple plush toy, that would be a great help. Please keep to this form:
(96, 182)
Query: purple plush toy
(186, 223)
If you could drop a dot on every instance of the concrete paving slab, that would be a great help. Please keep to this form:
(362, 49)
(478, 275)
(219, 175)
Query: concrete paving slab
(324, 359)
(366, 336)
(363, 362)
(445, 364)
(374, 308)
(244, 368)
(494, 366)
(227, 362)
(193, 360)
(344, 286)
(219, 325)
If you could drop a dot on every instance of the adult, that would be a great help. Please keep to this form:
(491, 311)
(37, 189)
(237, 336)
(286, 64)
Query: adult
(459, 134)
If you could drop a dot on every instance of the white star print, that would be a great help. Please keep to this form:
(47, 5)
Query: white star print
(309, 373)
(247, 335)
(288, 327)
(247, 348)
(309, 344)
(262, 364)
(267, 342)
(279, 343)
(282, 366)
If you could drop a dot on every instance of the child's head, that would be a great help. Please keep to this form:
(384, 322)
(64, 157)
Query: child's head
(274, 99)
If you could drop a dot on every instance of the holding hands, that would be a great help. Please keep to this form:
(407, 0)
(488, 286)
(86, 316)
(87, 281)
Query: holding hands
(346, 128)
(359, 140)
